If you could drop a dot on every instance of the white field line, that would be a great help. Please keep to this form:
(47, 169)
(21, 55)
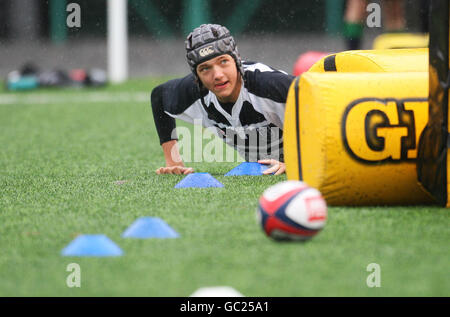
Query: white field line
(74, 98)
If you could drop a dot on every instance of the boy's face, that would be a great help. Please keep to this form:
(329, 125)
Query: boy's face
(220, 76)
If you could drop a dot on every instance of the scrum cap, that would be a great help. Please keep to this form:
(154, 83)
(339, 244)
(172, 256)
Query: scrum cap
(208, 41)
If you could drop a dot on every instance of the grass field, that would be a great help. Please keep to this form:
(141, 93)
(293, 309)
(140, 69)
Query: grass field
(61, 154)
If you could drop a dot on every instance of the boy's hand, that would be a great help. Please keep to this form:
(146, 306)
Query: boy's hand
(174, 164)
(277, 167)
(175, 170)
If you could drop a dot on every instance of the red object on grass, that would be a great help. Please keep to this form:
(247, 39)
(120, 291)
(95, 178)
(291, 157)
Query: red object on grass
(306, 60)
(78, 75)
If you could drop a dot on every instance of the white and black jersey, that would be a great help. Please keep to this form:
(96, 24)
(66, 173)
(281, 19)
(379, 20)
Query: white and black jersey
(252, 125)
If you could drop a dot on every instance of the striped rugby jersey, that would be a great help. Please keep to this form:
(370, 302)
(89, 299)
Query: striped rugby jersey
(252, 125)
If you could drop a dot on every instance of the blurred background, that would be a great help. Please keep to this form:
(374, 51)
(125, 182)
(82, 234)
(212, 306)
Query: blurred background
(274, 32)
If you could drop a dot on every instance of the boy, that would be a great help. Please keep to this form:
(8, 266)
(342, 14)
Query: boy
(242, 102)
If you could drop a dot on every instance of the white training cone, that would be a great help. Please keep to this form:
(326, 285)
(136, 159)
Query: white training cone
(218, 291)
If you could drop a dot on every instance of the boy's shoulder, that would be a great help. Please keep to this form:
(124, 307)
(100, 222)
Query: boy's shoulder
(250, 66)
(266, 82)
(178, 94)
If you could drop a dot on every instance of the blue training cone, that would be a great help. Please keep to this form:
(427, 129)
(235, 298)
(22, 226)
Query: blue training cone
(148, 227)
(248, 168)
(199, 180)
(92, 245)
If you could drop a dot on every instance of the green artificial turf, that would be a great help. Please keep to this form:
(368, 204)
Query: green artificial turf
(59, 163)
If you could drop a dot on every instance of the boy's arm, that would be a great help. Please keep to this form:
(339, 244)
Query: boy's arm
(165, 97)
(165, 124)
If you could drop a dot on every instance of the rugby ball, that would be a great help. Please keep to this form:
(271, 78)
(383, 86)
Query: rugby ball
(292, 210)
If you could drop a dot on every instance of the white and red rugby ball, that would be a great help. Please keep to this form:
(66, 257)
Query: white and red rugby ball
(292, 210)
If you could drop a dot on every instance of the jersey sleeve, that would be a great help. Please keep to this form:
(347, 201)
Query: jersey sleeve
(172, 98)
(269, 83)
